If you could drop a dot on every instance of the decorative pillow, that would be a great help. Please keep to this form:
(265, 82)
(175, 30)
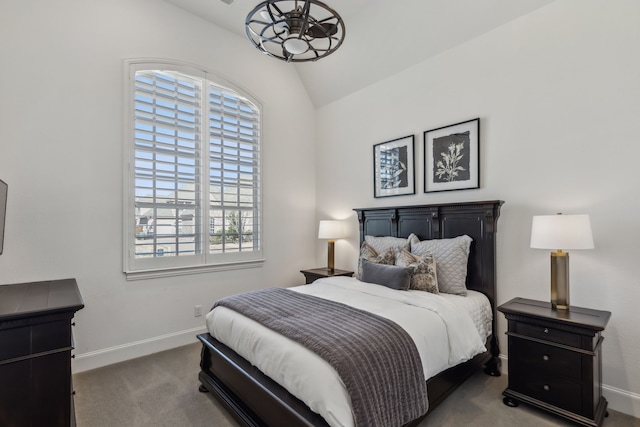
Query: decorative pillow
(391, 276)
(451, 255)
(367, 252)
(424, 276)
(381, 244)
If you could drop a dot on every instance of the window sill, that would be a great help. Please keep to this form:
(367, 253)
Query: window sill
(181, 271)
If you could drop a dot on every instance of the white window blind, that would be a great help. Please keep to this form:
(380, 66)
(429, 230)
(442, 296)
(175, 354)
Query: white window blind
(194, 173)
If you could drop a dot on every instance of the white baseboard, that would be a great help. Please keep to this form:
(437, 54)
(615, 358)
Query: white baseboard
(619, 400)
(96, 359)
(622, 400)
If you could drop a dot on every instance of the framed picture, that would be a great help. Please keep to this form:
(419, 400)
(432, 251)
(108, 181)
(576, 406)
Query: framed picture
(452, 157)
(393, 167)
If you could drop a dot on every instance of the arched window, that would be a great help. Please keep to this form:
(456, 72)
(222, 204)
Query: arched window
(193, 197)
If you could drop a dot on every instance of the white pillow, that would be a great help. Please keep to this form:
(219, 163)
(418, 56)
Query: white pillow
(381, 244)
(451, 255)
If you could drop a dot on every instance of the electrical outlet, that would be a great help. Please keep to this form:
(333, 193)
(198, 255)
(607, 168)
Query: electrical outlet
(197, 311)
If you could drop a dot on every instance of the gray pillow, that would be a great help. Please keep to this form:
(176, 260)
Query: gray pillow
(391, 276)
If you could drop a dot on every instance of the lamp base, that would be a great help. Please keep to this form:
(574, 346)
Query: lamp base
(560, 280)
(330, 255)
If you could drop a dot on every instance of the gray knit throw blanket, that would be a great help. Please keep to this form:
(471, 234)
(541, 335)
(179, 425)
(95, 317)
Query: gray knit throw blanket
(376, 359)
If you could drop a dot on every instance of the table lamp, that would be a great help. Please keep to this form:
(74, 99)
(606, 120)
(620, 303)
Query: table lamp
(331, 230)
(561, 232)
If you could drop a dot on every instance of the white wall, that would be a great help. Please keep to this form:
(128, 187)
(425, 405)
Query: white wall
(61, 152)
(557, 92)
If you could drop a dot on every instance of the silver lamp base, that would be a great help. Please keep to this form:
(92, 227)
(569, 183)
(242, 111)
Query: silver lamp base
(560, 280)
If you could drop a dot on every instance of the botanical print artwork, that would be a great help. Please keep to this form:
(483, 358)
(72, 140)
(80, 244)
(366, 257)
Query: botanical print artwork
(451, 157)
(393, 167)
(393, 172)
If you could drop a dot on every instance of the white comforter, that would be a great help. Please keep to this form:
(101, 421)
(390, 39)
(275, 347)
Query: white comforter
(444, 334)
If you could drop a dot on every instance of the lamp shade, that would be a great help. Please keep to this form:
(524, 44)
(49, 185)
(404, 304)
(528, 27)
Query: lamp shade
(331, 229)
(561, 232)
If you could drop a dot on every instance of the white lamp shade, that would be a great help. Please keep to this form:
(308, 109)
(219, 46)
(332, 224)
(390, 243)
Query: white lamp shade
(331, 229)
(561, 232)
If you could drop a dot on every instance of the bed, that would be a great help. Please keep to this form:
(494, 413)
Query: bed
(254, 399)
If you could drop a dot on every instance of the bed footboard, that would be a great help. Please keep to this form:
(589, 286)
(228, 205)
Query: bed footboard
(255, 400)
(246, 392)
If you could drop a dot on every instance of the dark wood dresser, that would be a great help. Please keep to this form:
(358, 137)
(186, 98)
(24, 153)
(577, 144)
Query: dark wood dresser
(555, 359)
(35, 353)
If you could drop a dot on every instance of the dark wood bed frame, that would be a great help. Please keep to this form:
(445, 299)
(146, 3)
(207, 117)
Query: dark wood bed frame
(256, 400)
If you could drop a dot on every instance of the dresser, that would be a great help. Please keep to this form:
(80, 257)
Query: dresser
(35, 353)
(555, 359)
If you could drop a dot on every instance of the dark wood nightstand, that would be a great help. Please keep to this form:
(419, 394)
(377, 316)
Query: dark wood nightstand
(316, 273)
(555, 359)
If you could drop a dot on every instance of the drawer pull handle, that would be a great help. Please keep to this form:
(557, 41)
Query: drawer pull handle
(546, 387)
(546, 330)
(545, 358)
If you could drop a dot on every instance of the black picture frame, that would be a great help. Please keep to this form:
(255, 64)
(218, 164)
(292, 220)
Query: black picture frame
(394, 167)
(452, 157)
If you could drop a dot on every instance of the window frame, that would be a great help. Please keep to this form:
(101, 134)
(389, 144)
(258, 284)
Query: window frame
(141, 268)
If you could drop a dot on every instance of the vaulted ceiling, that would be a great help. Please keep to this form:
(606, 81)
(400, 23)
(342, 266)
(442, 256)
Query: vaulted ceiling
(382, 37)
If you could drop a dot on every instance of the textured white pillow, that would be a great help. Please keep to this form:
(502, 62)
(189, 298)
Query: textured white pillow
(382, 244)
(451, 255)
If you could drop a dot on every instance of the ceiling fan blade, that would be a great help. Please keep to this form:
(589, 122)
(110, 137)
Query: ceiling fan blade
(280, 25)
(322, 30)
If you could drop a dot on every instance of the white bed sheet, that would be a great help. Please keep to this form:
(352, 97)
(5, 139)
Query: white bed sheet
(430, 320)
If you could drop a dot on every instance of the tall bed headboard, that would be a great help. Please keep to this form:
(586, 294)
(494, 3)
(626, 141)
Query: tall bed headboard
(478, 220)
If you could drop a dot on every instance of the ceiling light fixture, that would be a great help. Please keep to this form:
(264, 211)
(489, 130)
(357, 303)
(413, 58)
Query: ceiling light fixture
(295, 31)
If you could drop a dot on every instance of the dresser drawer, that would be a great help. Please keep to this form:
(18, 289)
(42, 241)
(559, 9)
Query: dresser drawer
(36, 338)
(540, 358)
(563, 393)
(547, 334)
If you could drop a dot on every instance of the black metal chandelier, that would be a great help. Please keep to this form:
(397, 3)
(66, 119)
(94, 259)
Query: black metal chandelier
(295, 31)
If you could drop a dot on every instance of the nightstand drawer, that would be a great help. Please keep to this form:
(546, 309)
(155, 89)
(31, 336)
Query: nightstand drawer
(555, 391)
(540, 358)
(548, 334)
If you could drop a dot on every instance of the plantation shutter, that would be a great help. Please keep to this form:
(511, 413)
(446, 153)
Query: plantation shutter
(193, 173)
(234, 172)
(167, 164)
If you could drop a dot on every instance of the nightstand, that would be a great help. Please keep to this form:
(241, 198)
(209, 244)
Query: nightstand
(555, 359)
(316, 273)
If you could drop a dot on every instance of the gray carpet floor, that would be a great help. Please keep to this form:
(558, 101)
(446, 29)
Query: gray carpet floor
(162, 390)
